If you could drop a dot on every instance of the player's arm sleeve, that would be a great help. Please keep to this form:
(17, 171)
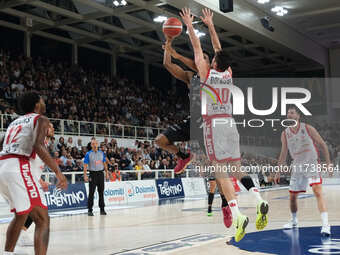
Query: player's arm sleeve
(87, 158)
(104, 157)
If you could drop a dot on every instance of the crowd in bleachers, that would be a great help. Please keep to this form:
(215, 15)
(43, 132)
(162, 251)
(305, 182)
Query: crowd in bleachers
(143, 157)
(73, 93)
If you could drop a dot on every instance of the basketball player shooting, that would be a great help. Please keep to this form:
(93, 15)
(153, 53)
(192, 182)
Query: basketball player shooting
(301, 141)
(189, 78)
(24, 138)
(222, 141)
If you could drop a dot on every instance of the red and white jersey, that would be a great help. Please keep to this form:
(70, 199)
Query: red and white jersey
(20, 136)
(217, 93)
(37, 165)
(301, 145)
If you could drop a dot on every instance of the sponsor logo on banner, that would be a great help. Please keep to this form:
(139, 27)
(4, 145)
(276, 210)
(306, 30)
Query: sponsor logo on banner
(127, 192)
(170, 188)
(114, 193)
(74, 197)
(141, 190)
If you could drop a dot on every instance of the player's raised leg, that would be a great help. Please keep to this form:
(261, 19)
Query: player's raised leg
(227, 215)
(240, 221)
(262, 207)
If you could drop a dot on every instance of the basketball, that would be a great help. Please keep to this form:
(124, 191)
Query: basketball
(172, 27)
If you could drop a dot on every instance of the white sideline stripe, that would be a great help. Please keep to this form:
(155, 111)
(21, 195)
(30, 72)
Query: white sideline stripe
(168, 26)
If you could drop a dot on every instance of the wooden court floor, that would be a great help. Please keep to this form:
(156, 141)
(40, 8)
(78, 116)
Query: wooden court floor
(184, 228)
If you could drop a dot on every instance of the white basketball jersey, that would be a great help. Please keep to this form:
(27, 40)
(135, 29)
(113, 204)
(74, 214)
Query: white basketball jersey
(38, 165)
(217, 94)
(301, 145)
(20, 136)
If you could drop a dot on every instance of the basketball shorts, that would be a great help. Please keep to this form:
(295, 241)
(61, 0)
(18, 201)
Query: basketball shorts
(179, 132)
(222, 141)
(18, 186)
(304, 175)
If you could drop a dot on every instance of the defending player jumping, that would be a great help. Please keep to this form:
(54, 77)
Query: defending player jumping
(222, 141)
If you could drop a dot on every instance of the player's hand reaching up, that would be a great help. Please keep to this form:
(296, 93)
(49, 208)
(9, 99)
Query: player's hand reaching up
(186, 16)
(207, 16)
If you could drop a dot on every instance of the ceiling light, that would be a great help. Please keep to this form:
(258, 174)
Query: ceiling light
(118, 3)
(263, 1)
(280, 11)
(160, 19)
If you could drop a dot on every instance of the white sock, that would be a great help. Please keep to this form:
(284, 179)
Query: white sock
(294, 218)
(8, 253)
(324, 218)
(234, 208)
(256, 194)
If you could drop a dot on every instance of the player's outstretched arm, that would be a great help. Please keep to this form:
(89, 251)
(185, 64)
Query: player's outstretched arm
(186, 61)
(42, 128)
(174, 69)
(283, 156)
(208, 21)
(201, 64)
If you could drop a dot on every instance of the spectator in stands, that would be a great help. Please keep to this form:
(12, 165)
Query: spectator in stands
(124, 163)
(147, 170)
(79, 144)
(52, 146)
(61, 144)
(70, 142)
(139, 168)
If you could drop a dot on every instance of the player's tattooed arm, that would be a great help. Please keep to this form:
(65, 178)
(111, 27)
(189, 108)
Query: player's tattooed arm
(208, 21)
(201, 64)
(174, 69)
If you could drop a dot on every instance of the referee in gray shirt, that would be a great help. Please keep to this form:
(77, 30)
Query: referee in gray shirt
(95, 162)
